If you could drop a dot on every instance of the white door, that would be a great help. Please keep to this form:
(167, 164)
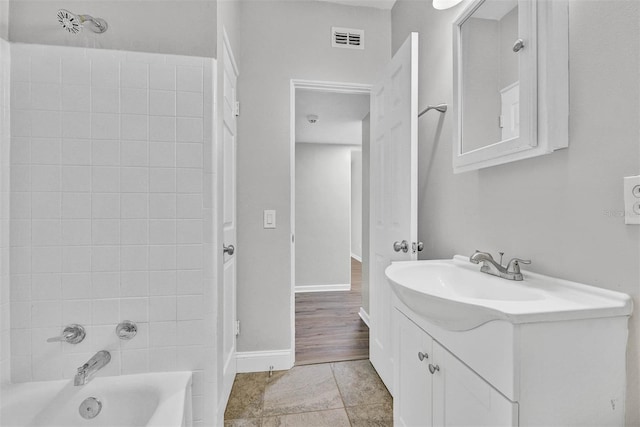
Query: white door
(228, 173)
(394, 146)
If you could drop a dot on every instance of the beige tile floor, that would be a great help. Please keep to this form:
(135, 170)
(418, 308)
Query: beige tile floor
(329, 394)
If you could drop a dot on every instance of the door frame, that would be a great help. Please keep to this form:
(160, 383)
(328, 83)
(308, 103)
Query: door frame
(319, 86)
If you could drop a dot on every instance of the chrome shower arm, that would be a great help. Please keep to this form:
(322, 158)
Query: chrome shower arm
(100, 24)
(442, 108)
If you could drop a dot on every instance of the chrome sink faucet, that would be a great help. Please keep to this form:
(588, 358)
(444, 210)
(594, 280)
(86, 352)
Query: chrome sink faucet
(490, 266)
(88, 370)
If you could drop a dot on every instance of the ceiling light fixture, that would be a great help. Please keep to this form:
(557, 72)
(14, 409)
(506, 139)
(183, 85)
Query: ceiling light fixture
(444, 4)
(312, 118)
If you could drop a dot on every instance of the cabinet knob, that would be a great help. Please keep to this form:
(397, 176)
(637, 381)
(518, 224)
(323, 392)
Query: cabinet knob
(518, 45)
(433, 368)
(422, 356)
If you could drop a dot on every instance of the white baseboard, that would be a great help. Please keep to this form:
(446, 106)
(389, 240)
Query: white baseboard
(364, 316)
(324, 288)
(261, 361)
(356, 257)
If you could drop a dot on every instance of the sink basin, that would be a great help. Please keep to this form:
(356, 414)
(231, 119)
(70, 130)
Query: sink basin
(455, 295)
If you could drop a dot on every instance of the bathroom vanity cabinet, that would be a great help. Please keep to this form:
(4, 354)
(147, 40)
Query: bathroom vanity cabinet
(434, 388)
(562, 373)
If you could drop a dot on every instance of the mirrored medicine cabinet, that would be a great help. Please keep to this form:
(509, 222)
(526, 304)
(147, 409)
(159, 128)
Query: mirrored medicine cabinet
(511, 81)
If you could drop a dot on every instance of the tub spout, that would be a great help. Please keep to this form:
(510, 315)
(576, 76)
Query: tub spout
(88, 370)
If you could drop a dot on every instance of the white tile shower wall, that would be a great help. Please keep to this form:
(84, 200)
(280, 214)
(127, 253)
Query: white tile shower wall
(5, 375)
(107, 216)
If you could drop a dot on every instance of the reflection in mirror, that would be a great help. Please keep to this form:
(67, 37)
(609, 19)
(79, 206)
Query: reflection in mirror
(490, 70)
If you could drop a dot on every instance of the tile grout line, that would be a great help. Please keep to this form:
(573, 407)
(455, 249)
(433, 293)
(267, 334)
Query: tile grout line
(344, 405)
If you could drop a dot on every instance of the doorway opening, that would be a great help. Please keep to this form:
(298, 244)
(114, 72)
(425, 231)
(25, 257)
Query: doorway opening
(329, 155)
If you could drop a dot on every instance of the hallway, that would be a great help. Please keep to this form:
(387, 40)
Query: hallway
(328, 327)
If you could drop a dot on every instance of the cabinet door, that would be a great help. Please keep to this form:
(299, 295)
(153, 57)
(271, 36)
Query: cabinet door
(462, 398)
(412, 398)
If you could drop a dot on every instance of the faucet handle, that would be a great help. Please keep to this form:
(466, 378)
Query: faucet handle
(126, 330)
(73, 334)
(514, 265)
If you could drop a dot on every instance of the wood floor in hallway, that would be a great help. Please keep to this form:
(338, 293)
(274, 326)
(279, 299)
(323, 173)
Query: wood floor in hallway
(328, 327)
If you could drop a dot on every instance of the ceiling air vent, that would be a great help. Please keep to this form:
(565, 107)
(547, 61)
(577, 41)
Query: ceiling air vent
(347, 37)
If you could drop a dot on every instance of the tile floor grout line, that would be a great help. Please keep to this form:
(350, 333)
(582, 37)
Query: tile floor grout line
(344, 404)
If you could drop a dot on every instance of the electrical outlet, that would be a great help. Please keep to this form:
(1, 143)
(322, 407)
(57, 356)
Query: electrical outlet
(632, 200)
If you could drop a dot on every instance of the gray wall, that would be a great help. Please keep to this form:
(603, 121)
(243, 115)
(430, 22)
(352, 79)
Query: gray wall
(356, 202)
(553, 209)
(323, 198)
(4, 19)
(5, 138)
(366, 131)
(281, 40)
(185, 27)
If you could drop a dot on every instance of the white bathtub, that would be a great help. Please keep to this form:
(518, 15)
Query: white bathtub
(157, 399)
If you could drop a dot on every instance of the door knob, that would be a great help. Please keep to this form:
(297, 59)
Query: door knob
(401, 246)
(228, 249)
(433, 369)
(422, 356)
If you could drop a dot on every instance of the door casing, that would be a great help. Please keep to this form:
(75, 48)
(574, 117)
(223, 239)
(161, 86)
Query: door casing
(320, 86)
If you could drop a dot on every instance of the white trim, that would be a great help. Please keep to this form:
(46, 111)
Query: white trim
(227, 44)
(262, 361)
(331, 87)
(356, 257)
(292, 213)
(364, 316)
(330, 287)
(320, 86)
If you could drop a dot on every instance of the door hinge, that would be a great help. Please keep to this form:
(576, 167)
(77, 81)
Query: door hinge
(501, 121)
(237, 327)
(237, 109)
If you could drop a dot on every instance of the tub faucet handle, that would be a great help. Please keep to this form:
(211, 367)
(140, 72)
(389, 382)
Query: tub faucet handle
(73, 334)
(126, 330)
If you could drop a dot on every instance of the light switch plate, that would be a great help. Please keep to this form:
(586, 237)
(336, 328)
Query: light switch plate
(269, 218)
(632, 200)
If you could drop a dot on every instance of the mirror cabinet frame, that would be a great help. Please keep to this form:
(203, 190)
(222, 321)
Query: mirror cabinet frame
(544, 87)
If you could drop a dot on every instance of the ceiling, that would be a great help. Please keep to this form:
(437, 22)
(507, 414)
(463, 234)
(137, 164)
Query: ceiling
(339, 117)
(379, 4)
